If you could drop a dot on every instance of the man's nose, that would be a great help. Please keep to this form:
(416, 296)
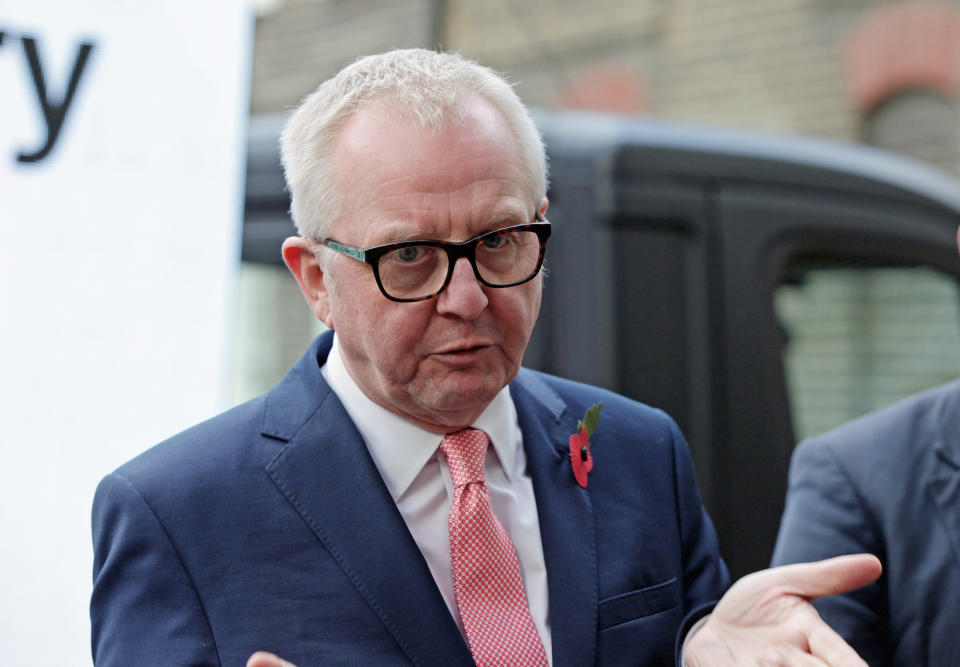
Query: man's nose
(464, 295)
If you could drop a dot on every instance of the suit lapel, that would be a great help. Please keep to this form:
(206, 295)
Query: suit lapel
(566, 520)
(329, 478)
(944, 481)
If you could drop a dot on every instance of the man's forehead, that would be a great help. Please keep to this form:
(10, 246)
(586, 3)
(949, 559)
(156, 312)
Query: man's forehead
(401, 181)
(378, 118)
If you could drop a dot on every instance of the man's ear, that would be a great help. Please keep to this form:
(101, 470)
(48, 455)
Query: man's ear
(544, 203)
(305, 267)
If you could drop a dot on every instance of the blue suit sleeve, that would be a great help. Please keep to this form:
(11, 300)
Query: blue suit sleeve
(824, 517)
(706, 577)
(705, 574)
(144, 610)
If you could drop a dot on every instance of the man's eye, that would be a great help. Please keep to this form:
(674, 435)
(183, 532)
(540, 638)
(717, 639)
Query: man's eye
(498, 241)
(408, 254)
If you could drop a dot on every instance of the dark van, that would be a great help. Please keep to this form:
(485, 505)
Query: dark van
(759, 289)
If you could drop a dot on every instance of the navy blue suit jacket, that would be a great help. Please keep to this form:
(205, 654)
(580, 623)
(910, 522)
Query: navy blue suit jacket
(887, 484)
(269, 527)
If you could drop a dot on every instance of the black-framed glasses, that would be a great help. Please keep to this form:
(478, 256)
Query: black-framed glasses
(420, 270)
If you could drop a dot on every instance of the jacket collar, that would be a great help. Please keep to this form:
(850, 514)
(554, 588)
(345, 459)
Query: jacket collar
(324, 452)
(947, 415)
(566, 520)
(943, 484)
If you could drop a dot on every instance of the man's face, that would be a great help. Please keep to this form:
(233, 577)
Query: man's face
(437, 362)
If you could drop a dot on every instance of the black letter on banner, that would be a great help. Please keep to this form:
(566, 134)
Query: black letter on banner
(53, 113)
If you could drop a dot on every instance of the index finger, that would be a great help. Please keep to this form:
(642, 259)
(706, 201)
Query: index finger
(828, 646)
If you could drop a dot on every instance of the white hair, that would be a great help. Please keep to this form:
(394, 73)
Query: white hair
(424, 86)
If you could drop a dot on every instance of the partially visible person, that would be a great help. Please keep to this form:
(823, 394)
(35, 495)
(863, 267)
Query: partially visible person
(887, 483)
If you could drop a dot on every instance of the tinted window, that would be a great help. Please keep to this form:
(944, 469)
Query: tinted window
(859, 337)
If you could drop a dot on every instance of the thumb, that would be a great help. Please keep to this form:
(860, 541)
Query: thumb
(264, 659)
(830, 576)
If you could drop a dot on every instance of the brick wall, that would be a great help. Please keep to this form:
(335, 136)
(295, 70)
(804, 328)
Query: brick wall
(303, 42)
(762, 64)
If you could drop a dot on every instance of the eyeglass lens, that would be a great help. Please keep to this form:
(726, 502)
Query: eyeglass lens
(419, 270)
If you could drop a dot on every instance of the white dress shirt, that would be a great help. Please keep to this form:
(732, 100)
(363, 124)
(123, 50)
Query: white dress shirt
(418, 478)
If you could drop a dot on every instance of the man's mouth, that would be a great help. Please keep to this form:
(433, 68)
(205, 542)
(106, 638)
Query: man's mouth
(463, 354)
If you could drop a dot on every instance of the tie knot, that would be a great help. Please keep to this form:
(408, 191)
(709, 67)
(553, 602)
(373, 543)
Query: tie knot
(466, 451)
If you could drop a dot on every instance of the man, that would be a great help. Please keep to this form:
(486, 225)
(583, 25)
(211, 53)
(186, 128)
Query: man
(887, 483)
(335, 519)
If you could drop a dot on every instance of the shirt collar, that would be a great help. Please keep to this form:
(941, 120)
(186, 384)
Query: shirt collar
(400, 449)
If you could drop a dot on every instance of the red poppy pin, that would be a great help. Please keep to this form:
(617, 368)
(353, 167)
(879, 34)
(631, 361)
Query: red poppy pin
(580, 458)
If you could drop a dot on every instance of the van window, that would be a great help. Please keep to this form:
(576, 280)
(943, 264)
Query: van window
(859, 337)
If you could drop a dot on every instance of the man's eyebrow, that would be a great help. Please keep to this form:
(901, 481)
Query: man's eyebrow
(506, 219)
(400, 232)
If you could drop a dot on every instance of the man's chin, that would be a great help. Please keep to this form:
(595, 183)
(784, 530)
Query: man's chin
(466, 398)
(451, 404)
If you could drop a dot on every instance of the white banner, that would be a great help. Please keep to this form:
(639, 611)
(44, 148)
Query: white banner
(122, 129)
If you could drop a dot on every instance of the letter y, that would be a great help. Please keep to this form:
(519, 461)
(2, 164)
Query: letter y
(53, 113)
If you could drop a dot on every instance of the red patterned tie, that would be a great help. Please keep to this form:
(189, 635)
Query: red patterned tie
(486, 573)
